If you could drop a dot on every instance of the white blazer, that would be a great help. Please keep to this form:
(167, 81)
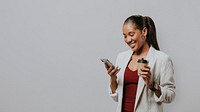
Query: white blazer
(161, 72)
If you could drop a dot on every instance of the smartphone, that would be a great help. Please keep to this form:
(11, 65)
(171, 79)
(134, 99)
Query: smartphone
(107, 62)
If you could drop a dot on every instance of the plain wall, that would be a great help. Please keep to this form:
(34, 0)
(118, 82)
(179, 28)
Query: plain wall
(50, 51)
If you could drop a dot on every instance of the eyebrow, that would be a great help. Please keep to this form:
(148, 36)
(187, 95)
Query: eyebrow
(129, 33)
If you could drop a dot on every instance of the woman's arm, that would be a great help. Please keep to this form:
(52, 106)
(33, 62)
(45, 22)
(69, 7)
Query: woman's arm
(167, 83)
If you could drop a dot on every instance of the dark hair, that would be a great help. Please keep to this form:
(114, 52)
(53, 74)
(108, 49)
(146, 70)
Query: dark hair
(147, 22)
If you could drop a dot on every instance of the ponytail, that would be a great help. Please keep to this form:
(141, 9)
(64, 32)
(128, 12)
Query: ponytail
(151, 32)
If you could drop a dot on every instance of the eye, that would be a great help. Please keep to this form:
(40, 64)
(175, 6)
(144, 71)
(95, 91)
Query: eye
(132, 34)
(124, 36)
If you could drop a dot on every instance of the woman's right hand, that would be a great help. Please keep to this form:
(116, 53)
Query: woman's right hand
(112, 71)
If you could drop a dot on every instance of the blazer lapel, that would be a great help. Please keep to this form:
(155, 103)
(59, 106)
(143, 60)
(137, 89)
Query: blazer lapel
(141, 83)
(124, 63)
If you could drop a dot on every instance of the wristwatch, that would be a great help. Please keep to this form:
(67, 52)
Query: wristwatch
(154, 86)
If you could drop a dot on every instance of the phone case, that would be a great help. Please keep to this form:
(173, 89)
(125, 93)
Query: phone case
(106, 61)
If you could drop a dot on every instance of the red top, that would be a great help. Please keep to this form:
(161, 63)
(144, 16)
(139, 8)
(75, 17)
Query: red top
(130, 89)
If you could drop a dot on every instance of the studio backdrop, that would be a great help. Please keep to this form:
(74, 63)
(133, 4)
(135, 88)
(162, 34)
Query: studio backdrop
(50, 52)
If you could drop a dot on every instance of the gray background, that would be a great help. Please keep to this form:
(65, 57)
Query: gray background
(50, 51)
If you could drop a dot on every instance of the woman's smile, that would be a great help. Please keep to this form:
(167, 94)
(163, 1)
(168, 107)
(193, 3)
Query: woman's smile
(132, 44)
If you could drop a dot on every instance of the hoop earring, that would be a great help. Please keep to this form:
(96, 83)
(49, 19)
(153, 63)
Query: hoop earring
(143, 37)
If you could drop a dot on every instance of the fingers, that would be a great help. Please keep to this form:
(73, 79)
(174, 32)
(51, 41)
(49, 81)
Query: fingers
(145, 76)
(146, 68)
(113, 70)
(110, 69)
(145, 72)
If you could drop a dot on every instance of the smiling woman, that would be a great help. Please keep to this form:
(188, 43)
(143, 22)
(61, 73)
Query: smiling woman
(155, 85)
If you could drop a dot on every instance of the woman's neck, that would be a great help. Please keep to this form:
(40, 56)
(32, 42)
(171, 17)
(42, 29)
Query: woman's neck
(142, 52)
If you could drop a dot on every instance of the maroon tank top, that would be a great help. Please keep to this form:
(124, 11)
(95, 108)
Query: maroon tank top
(129, 90)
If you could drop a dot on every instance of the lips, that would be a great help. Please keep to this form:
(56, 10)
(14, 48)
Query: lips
(132, 45)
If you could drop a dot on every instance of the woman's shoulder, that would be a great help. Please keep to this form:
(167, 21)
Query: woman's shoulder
(162, 56)
(161, 53)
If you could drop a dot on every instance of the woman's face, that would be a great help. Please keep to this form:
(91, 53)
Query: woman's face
(133, 36)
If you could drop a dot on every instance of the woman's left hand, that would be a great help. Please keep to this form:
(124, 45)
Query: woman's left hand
(146, 75)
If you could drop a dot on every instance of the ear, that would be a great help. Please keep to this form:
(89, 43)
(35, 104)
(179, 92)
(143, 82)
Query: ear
(144, 31)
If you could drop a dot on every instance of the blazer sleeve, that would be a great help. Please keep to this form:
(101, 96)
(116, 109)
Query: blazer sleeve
(167, 83)
(114, 96)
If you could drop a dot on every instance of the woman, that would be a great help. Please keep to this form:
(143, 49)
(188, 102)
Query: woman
(155, 85)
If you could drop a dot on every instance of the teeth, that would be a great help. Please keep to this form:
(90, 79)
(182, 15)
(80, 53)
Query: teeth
(133, 42)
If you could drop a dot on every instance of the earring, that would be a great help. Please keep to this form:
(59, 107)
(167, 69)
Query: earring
(143, 37)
